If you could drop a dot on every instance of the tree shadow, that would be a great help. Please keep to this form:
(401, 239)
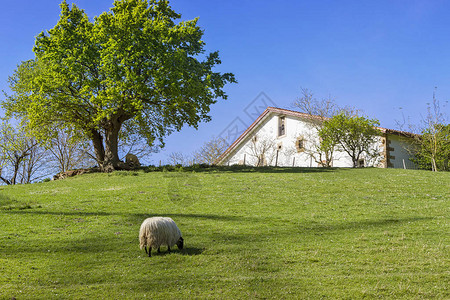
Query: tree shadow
(134, 217)
(308, 226)
(138, 218)
(358, 225)
(59, 213)
(88, 244)
(142, 217)
(280, 226)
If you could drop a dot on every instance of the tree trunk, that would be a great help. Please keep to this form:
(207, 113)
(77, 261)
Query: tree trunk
(17, 161)
(433, 164)
(106, 146)
(328, 158)
(4, 179)
(355, 159)
(97, 141)
(111, 160)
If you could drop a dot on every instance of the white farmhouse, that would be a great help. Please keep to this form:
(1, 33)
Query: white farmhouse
(286, 138)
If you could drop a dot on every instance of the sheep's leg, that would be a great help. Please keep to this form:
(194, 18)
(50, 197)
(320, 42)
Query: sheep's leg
(149, 251)
(168, 249)
(145, 247)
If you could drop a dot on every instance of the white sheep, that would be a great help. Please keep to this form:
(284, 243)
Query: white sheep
(159, 231)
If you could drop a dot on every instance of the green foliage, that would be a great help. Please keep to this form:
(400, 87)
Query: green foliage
(321, 110)
(19, 154)
(259, 233)
(131, 69)
(434, 146)
(355, 135)
(434, 139)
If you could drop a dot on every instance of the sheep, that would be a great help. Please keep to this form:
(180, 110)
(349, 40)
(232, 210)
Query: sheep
(159, 231)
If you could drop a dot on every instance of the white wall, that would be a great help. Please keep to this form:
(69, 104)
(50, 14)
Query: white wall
(288, 155)
(398, 155)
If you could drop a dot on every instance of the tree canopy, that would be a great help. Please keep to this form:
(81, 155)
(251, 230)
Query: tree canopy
(323, 109)
(433, 152)
(131, 70)
(355, 135)
(20, 155)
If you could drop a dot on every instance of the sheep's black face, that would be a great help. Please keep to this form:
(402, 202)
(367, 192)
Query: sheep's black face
(180, 243)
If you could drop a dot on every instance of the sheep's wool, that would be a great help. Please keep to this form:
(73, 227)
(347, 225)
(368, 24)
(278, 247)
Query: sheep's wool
(158, 231)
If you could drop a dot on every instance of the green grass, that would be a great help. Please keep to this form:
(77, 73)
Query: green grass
(268, 233)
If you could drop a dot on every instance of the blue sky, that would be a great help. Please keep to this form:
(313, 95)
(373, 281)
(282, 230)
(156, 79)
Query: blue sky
(384, 57)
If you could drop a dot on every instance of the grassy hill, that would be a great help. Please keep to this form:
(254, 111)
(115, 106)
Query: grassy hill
(268, 233)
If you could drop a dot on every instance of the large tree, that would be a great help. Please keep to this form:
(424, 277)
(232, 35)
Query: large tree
(133, 65)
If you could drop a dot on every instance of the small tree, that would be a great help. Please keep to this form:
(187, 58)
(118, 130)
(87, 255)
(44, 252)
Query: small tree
(354, 135)
(69, 151)
(430, 143)
(263, 150)
(323, 109)
(36, 165)
(434, 150)
(320, 111)
(434, 139)
(178, 158)
(20, 155)
(210, 151)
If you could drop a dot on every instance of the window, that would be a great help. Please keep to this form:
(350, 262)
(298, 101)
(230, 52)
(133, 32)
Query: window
(281, 126)
(300, 144)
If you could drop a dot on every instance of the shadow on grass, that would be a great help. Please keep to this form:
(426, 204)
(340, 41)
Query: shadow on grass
(191, 251)
(95, 243)
(109, 242)
(142, 217)
(91, 244)
(7, 203)
(307, 226)
(133, 217)
(364, 224)
(278, 227)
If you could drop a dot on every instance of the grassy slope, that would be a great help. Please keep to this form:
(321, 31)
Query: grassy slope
(273, 233)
